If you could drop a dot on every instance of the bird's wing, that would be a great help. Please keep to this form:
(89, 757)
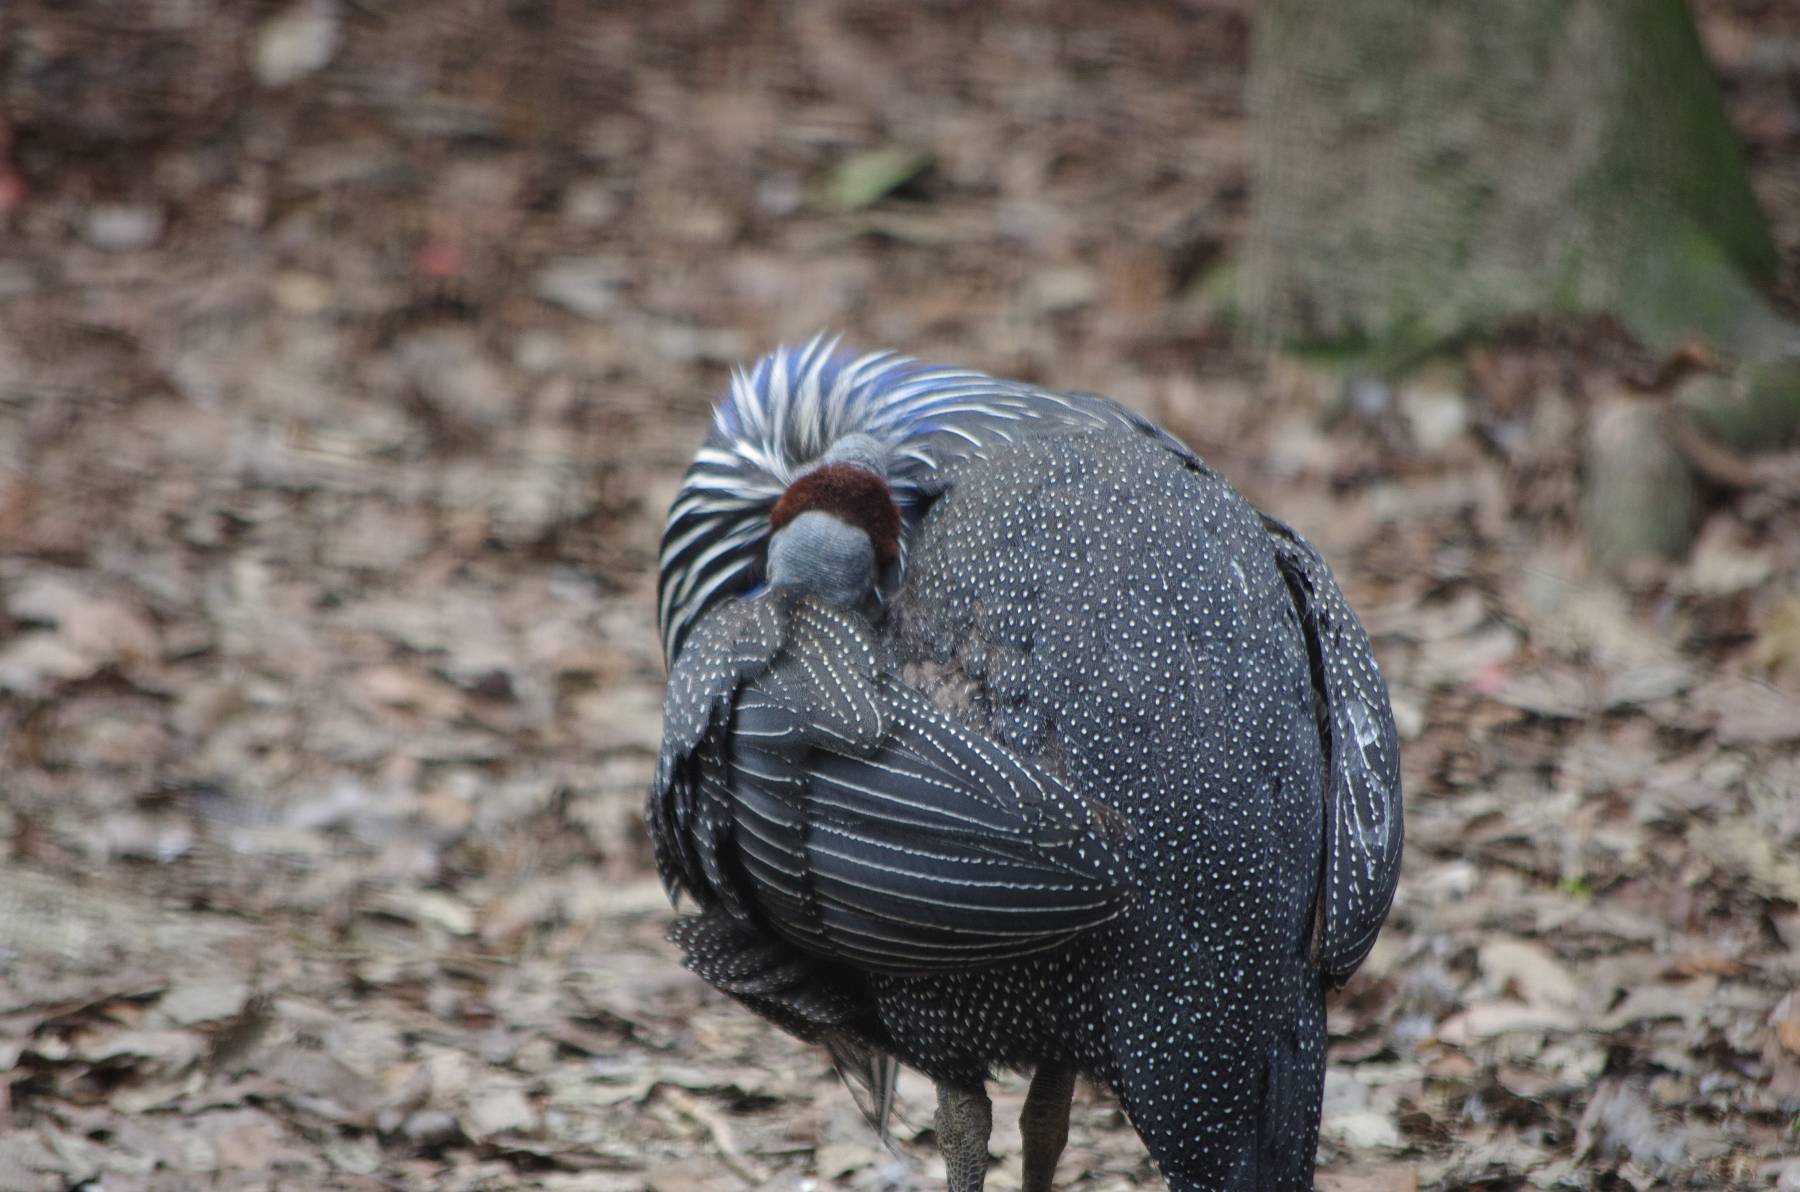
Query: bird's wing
(1363, 821)
(866, 827)
(686, 809)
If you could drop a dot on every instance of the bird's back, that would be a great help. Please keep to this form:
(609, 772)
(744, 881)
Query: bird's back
(1113, 610)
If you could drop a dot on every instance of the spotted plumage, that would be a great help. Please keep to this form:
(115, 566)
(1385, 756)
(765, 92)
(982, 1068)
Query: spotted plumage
(1097, 776)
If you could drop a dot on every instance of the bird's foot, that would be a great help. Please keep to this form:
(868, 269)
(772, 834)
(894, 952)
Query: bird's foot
(964, 1119)
(1044, 1123)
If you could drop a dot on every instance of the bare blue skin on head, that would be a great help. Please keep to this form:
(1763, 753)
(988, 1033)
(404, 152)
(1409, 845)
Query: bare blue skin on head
(864, 450)
(821, 553)
(830, 558)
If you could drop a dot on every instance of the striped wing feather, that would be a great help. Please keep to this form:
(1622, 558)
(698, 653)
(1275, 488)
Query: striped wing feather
(855, 820)
(1364, 828)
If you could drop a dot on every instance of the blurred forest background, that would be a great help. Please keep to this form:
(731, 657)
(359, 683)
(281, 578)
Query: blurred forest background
(350, 351)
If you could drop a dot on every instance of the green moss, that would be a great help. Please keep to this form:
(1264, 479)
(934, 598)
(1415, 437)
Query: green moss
(1757, 411)
(1680, 286)
(1443, 169)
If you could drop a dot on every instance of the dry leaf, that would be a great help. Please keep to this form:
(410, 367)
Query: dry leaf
(1530, 971)
(1486, 1020)
(203, 1001)
(497, 1106)
(1394, 1177)
(1785, 1021)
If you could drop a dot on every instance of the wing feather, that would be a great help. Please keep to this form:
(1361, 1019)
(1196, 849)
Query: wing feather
(817, 796)
(1364, 820)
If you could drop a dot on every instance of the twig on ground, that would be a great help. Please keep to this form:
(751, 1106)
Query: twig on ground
(708, 1119)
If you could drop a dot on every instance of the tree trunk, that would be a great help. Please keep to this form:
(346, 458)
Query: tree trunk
(1431, 169)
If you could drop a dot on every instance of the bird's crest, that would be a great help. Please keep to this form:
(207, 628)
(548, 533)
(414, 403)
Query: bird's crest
(783, 413)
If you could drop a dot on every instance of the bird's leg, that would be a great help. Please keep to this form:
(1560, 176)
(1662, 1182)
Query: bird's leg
(964, 1118)
(1044, 1123)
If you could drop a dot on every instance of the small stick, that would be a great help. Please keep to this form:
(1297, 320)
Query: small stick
(716, 1128)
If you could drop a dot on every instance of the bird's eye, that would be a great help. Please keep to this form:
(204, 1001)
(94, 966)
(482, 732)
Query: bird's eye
(916, 510)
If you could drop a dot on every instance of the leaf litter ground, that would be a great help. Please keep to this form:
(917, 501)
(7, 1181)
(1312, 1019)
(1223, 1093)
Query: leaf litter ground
(348, 358)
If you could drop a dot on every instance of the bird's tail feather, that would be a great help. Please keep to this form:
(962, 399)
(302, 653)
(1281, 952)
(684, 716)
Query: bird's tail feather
(871, 1076)
(811, 1001)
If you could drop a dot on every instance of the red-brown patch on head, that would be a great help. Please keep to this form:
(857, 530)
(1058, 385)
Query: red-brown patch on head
(853, 495)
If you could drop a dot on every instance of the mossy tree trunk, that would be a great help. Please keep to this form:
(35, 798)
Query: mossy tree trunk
(1432, 169)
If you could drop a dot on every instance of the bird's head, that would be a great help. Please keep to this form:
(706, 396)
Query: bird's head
(785, 422)
(836, 529)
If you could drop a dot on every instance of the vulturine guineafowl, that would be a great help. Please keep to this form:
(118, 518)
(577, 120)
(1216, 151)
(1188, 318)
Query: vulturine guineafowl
(1001, 732)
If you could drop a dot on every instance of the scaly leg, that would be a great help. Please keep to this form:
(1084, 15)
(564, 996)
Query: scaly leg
(964, 1119)
(1044, 1123)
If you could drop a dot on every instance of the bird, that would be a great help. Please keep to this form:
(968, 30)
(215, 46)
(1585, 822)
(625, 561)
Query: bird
(1001, 732)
